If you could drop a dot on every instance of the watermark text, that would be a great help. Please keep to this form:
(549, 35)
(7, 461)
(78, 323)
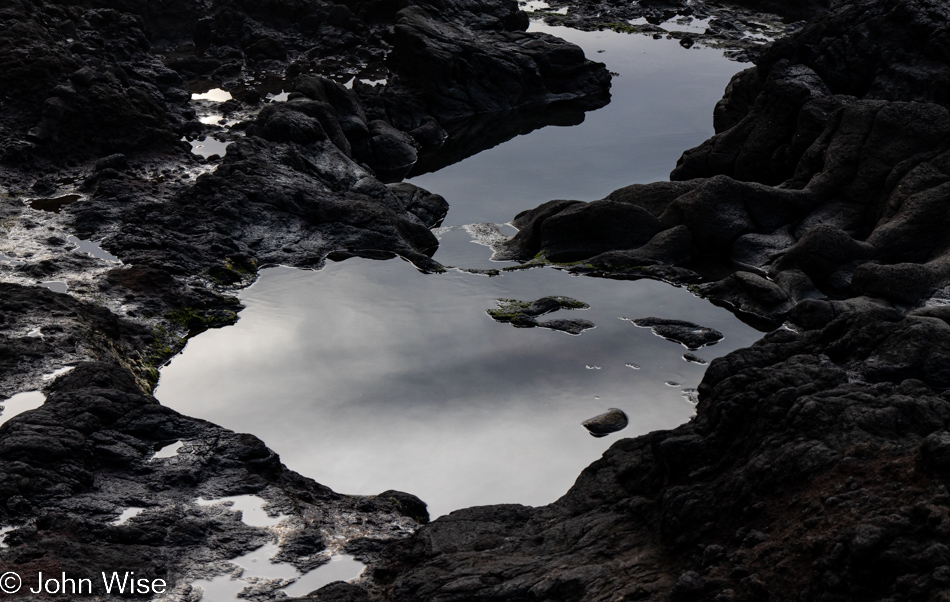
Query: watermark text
(115, 583)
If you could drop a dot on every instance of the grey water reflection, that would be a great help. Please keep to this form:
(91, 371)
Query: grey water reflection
(662, 100)
(369, 375)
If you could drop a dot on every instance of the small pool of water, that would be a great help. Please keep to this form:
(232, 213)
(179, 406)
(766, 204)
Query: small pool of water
(19, 403)
(369, 375)
(251, 508)
(208, 146)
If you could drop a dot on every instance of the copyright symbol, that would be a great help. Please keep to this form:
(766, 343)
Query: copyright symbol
(10, 583)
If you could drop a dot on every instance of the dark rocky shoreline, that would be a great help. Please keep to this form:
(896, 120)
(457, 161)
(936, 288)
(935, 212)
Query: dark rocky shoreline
(817, 464)
(816, 467)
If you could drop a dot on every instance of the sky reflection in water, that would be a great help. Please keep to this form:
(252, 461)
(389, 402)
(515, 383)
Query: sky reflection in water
(661, 104)
(369, 375)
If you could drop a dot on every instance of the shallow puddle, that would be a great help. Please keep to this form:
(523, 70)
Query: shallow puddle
(57, 286)
(169, 451)
(19, 403)
(370, 375)
(213, 95)
(92, 248)
(208, 146)
(257, 565)
(127, 514)
(662, 101)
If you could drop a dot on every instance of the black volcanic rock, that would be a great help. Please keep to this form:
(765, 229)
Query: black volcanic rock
(524, 314)
(827, 174)
(796, 9)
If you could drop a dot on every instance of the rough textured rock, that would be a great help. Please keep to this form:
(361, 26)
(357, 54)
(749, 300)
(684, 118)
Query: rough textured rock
(827, 173)
(796, 480)
(816, 466)
(69, 468)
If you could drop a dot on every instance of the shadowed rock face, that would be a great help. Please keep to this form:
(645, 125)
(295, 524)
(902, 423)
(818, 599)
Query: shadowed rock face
(817, 465)
(73, 465)
(692, 336)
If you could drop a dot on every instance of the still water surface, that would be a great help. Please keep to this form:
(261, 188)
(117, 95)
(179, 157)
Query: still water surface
(662, 100)
(369, 375)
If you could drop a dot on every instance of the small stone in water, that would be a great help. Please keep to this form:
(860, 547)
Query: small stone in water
(634, 366)
(611, 421)
(691, 395)
(672, 383)
(694, 359)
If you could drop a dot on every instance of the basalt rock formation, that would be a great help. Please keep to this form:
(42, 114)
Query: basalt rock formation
(815, 469)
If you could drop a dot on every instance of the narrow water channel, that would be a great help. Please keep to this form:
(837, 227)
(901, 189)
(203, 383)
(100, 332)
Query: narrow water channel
(369, 375)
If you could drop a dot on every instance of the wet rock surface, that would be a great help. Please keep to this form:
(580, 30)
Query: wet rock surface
(825, 179)
(692, 336)
(816, 467)
(812, 466)
(740, 28)
(69, 468)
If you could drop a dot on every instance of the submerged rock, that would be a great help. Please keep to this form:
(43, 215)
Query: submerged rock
(692, 336)
(611, 421)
